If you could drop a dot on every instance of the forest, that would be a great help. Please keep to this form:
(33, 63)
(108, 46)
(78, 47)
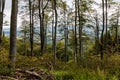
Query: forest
(60, 40)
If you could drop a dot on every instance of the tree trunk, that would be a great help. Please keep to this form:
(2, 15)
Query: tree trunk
(106, 22)
(2, 5)
(13, 34)
(45, 36)
(53, 31)
(65, 34)
(42, 34)
(54, 48)
(102, 33)
(80, 31)
(97, 35)
(75, 53)
(117, 42)
(31, 12)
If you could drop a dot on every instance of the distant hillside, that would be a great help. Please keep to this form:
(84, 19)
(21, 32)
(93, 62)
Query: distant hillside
(6, 30)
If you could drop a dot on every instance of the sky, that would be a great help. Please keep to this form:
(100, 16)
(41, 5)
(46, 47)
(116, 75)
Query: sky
(8, 9)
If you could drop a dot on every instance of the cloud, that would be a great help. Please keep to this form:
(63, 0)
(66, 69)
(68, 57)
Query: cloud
(7, 12)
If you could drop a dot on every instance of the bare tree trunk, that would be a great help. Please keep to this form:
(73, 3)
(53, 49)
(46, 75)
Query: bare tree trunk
(42, 30)
(2, 5)
(45, 36)
(101, 44)
(13, 34)
(53, 31)
(106, 21)
(25, 33)
(56, 16)
(41, 16)
(31, 10)
(75, 53)
(65, 34)
(30, 27)
(80, 31)
(117, 43)
(32, 31)
(97, 34)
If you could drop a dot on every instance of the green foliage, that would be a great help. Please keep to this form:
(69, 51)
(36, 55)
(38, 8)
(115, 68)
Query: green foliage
(6, 43)
(4, 69)
(79, 75)
(61, 54)
(63, 75)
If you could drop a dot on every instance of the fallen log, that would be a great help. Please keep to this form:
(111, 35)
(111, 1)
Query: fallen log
(7, 77)
(31, 73)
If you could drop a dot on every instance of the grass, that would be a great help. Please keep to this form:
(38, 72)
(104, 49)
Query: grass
(91, 69)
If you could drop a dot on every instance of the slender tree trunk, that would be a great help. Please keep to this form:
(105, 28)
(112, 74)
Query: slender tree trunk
(42, 31)
(97, 35)
(117, 43)
(45, 36)
(75, 53)
(80, 30)
(32, 31)
(53, 31)
(2, 5)
(102, 33)
(31, 12)
(106, 21)
(65, 35)
(25, 33)
(13, 34)
(54, 49)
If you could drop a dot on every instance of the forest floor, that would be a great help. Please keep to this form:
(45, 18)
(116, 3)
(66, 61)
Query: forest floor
(42, 68)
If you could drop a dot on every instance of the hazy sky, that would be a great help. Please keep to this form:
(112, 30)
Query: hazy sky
(8, 8)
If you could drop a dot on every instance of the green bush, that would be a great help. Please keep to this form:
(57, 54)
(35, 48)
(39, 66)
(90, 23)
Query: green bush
(63, 75)
(4, 69)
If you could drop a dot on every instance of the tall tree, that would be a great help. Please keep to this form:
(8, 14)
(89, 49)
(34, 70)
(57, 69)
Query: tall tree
(55, 29)
(106, 6)
(31, 12)
(75, 53)
(2, 5)
(13, 34)
(42, 8)
(103, 27)
(80, 28)
(117, 25)
(97, 34)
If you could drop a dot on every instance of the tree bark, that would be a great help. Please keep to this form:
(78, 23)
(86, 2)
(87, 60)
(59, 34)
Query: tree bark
(65, 35)
(31, 12)
(97, 34)
(42, 29)
(54, 48)
(75, 53)
(106, 21)
(2, 5)
(13, 34)
(102, 33)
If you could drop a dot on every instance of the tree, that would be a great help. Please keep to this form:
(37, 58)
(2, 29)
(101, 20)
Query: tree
(80, 27)
(26, 35)
(31, 12)
(54, 39)
(13, 34)
(2, 5)
(42, 8)
(102, 33)
(106, 6)
(75, 53)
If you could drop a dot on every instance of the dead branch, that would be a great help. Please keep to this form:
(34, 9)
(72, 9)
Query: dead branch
(30, 72)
